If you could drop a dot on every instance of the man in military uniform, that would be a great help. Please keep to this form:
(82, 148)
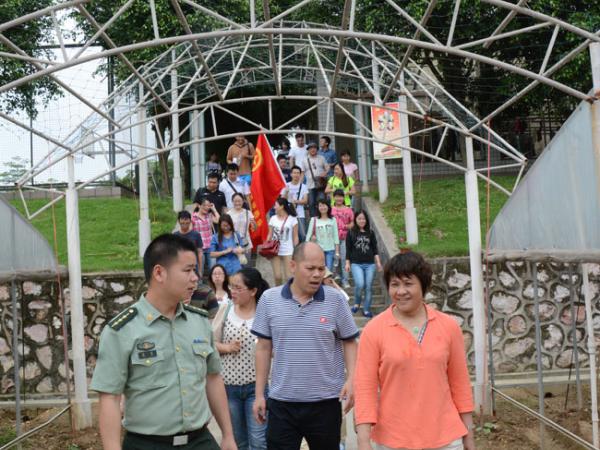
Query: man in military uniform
(159, 354)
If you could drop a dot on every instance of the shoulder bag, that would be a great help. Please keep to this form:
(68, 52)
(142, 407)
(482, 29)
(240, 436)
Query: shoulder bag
(219, 321)
(320, 182)
(242, 257)
(271, 248)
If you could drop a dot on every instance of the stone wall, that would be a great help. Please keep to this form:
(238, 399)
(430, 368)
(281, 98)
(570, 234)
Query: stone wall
(511, 296)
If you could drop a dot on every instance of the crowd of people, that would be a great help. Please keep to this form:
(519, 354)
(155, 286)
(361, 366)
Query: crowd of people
(276, 366)
(317, 204)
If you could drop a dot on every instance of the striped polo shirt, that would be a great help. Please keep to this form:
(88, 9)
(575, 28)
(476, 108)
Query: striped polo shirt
(308, 361)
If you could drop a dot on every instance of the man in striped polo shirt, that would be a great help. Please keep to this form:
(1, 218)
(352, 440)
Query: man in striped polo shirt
(310, 331)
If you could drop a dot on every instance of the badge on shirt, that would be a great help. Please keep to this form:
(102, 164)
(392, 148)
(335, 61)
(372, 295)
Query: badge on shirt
(323, 320)
(199, 341)
(147, 350)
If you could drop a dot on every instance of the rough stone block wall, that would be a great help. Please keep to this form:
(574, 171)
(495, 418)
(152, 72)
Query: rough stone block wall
(511, 296)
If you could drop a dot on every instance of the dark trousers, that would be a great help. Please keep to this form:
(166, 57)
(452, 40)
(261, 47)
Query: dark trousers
(205, 441)
(314, 195)
(318, 422)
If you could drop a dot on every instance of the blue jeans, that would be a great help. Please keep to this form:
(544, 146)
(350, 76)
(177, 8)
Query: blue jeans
(249, 434)
(343, 261)
(329, 255)
(301, 229)
(363, 275)
(208, 262)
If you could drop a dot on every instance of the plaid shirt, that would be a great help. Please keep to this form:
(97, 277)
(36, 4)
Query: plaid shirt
(204, 227)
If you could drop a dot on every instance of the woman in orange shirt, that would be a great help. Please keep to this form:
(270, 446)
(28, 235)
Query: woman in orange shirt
(411, 386)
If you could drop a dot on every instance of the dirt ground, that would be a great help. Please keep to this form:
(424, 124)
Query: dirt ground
(511, 429)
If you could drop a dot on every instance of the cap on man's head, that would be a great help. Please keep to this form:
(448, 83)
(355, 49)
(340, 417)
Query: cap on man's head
(312, 144)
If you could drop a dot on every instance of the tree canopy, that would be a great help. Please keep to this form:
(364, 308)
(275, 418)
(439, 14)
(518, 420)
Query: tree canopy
(30, 37)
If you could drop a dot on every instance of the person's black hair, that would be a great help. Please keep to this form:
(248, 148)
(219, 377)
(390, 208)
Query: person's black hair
(238, 194)
(184, 215)
(163, 250)
(345, 180)
(345, 152)
(407, 264)
(326, 139)
(253, 280)
(225, 281)
(311, 145)
(296, 167)
(299, 135)
(339, 192)
(287, 206)
(324, 202)
(285, 141)
(224, 218)
(356, 228)
(214, 175)
(281, 156)
(233, 166)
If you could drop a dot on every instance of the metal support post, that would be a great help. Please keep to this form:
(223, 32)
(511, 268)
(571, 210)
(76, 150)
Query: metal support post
(112, 158)
(361, 148)
(202, 156)
(482, 388)
(591, 347)
(410, 212)
(15, 354)
(177, 185)
(82, 411)
(382, 181)
(195, 161)
(144, 232)
(538, 351)
(595, 59)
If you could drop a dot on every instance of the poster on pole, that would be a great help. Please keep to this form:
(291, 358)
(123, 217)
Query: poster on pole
(385, 125)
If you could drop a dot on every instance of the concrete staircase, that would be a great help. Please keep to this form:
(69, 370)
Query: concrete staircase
(377, 305)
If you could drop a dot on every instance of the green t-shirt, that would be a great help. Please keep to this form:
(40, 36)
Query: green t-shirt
(336, 183)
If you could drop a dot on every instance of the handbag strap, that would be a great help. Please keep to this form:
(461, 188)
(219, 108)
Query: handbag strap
(312, 174)
(232, 186)
(281, 229)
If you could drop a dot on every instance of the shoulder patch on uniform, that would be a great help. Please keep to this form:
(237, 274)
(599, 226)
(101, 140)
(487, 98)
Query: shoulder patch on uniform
(122, 318)
(196, 310)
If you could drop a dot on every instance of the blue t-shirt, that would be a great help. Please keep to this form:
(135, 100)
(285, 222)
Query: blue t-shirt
(230, 261)
(331, 158)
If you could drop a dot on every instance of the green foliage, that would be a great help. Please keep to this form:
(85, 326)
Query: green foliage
(135, 25)
(28, 36)
(442, 214)
(108, 230)
(13, 170)
(6, 435)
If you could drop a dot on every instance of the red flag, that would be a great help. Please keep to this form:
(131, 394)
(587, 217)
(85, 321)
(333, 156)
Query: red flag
(267, 183)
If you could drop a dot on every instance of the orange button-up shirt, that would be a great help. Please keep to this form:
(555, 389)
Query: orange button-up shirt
(412, 394)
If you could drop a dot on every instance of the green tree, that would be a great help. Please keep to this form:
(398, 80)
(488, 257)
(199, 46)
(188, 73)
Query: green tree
(13, 170)
(29, 37)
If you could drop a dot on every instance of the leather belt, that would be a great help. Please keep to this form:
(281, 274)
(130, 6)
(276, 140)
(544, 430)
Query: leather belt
(175, 440)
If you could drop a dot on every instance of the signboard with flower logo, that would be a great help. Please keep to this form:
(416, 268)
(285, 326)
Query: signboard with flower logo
(385, 124)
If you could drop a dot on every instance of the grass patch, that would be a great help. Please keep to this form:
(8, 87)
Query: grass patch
(442, 213)
(6, 435)
(108, 230)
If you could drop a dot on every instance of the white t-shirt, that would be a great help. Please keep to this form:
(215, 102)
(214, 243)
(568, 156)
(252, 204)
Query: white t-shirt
(292, 194)
(299, 154)
(319, 168)
(286, 239)
(239, 185)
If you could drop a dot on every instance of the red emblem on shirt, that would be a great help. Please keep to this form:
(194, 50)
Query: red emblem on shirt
(323, 320)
